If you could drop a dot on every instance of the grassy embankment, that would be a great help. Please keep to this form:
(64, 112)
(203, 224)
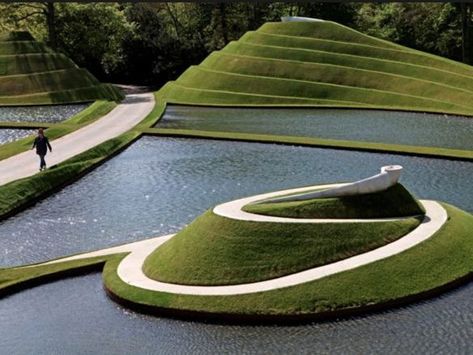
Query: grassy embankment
(32, 74)
(419, 271)
(324, 64)
(215, 250)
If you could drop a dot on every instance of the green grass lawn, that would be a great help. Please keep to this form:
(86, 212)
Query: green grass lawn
(320, 64)
(436, 262)
(215, 250)
(393, 202)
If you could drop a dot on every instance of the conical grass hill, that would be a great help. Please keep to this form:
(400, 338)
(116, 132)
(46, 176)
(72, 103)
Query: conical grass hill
(324, 64)
(217, 250)
(32, 74)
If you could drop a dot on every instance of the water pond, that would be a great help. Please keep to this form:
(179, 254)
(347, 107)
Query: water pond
(47, 113)
(9, 135)
(364, 125)
(160, 184)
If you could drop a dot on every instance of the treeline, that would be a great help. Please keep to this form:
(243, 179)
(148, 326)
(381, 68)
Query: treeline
(151, 43)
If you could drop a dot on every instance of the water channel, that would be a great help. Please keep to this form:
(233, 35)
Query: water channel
(160, 184)
(47, 113)
(364, 125)
(9, 135)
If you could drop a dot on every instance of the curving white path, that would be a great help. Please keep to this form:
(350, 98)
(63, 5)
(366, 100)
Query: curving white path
(234, 209)
(130, 268)
(121, 119)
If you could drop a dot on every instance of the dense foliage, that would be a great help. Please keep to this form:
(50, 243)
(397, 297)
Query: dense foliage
(151, 43)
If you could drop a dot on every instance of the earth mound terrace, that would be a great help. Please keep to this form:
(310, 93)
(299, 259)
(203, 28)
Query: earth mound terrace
(324, 64)
(33, 74)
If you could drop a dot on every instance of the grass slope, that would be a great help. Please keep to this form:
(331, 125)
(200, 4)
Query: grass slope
(432, 264)
(214, 250)
(307, 63)
(30, 73)
(394, 202)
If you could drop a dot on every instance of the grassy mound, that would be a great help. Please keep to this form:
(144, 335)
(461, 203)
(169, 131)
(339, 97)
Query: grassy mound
(394, 202)
(215, 250)
(423, 271)
(320, 63)
(31, 74)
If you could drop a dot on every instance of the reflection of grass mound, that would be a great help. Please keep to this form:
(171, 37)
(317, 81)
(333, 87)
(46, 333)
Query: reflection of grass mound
(215, 250)
(324, 64)
(30, 73)
(393, 202)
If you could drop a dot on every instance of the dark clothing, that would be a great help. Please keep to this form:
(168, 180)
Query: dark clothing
(42, 145)
(42, 162)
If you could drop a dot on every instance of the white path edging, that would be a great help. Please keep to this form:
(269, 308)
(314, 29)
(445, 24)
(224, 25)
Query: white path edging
(234, 209)
(130, 269)
(121, 119)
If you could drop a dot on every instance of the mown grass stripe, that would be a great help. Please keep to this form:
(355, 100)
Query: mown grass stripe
(357, 91)
(353, 58)
(329, 65)
(248, 37)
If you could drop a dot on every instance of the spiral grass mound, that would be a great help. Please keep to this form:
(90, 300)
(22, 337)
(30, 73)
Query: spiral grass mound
(312, 253)
(324, 64)
(32, 74)
(299, 233)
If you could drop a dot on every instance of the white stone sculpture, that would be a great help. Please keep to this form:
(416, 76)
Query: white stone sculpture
(300, 19)
(388, 177)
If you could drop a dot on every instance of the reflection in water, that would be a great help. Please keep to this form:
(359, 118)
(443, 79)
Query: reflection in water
(364, 125)
(48, 113)
(158, 185)
(10, 135)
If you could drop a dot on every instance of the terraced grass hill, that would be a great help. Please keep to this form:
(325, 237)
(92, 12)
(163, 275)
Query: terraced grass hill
(31, 74)
(324, 64)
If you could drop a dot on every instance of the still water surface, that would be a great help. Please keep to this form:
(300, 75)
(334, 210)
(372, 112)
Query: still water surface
(157, 186)
(10, 135)
(364, 125)
(48, 113)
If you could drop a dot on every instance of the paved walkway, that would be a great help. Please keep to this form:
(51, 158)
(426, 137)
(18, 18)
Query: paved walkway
(121, 119)
(130, 268)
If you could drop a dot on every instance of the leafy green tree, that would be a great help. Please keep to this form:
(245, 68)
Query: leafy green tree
(431, 27)
(92, 34)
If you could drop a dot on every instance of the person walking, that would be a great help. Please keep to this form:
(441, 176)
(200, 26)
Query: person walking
(41, 143)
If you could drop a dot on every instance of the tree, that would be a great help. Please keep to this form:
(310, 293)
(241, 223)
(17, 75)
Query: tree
(92, 35)
(32, 16)
(466, 22)
(431, 27)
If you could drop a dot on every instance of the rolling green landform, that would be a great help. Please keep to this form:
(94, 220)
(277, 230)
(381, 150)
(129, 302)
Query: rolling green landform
(215, 250)
(324, 64)
(32, 74)
(422, 271)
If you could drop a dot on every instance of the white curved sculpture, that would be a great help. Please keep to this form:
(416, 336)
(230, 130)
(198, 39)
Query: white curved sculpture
(388, 177)
(300, 19)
